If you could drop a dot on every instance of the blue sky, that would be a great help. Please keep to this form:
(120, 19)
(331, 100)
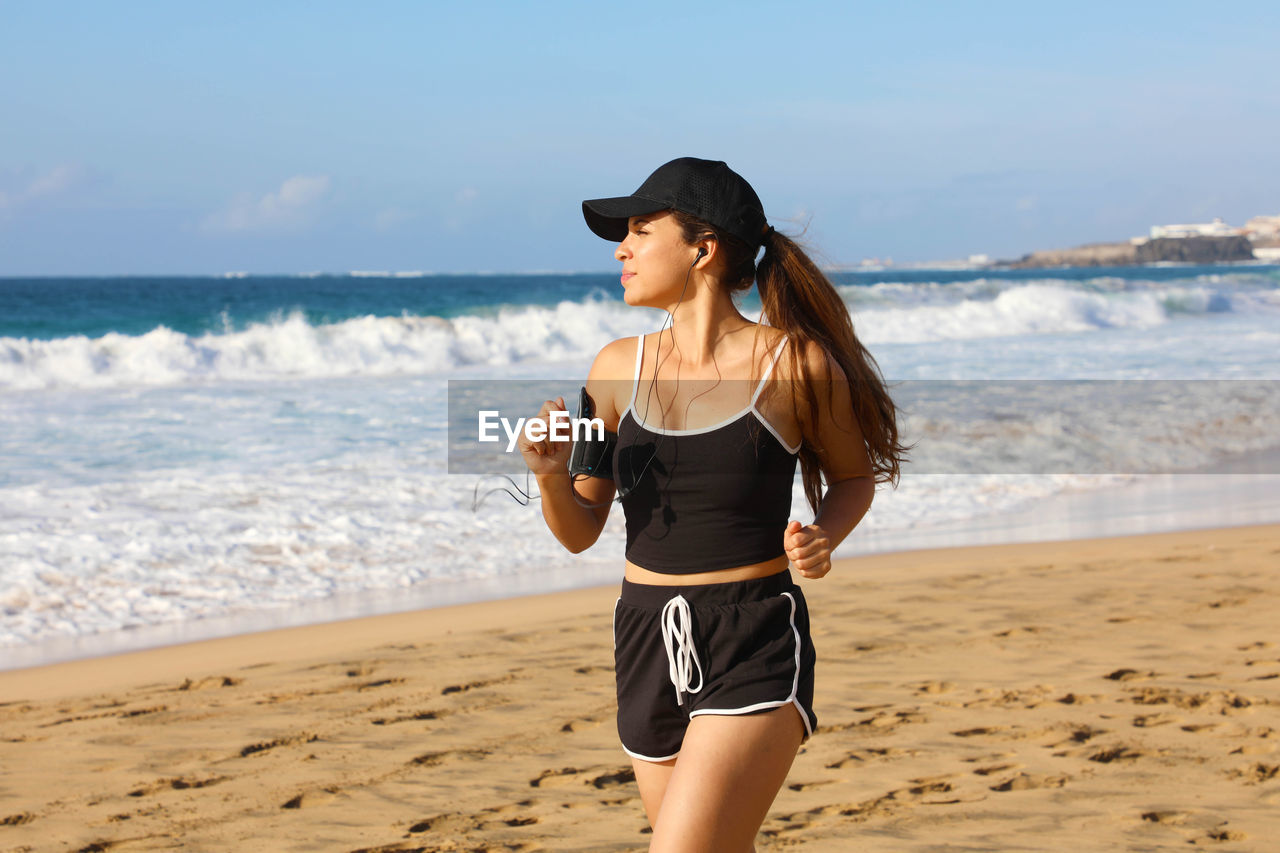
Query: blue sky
(284, 137)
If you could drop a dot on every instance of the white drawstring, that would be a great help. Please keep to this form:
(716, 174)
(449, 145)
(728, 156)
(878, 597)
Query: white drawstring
(677, 635)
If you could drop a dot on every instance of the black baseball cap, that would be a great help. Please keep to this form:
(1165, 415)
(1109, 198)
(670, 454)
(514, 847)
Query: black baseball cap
(707, 189)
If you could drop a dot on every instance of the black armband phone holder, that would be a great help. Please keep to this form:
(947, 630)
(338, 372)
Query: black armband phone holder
(591, 455)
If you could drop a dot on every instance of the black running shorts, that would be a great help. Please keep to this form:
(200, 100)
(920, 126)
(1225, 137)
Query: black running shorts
(727, 648)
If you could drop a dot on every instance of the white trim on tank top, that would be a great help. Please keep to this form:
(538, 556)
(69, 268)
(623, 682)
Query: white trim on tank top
(749, 410)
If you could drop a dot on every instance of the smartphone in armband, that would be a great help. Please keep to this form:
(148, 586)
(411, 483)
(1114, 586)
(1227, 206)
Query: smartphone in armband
(591, 455)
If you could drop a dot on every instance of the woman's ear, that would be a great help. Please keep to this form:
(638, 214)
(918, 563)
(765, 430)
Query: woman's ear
(707, 249)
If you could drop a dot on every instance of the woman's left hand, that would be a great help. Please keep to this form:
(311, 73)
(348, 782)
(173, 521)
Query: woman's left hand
(808, 548)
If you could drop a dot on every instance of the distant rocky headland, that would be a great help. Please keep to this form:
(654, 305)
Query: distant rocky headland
(1213, 242)
(1201, 243)
(1186, 250)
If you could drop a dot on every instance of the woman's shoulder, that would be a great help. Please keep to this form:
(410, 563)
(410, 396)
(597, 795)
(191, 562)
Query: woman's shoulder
(806, 359)
(622, 351)
(770, 337)
(609, 382)
(616, 359)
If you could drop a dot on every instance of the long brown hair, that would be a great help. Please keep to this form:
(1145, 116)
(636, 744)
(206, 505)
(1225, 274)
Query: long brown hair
(799, 300)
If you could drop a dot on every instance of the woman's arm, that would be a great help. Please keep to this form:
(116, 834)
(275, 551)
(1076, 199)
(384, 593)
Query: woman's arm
(846, 466)
(576, 512)
(576, 525)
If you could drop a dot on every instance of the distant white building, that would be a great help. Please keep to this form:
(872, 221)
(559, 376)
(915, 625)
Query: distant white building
(1263, 226)
(1216, 228)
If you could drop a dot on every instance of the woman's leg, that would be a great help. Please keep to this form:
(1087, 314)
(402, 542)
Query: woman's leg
(651, 779)
(728, 772)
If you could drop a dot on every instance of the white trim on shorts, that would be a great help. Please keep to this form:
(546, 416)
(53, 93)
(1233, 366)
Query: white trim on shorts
(793, 699)
(647, 757)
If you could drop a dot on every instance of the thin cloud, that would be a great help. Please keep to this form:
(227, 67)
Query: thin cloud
(22, 190)
(290, 207)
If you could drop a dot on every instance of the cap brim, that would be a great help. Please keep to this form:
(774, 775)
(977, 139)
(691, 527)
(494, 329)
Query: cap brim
(607, 217)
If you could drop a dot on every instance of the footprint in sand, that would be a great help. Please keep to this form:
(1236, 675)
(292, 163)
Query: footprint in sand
(311, 799)
(931, 784)
(885, 722)
(584, 776)
(934, 687)
(1129, 675)
(995, 768)
(135, 712)
(1255, 774)
(1195, 827)
(876, 720)
(1167, 696)
(591, 669)
(1224, 834)
(863, 756)
(451, 824)
(175, 784)
(1030, 781)
(417, 716)
(433, 759)
(210, 682)
(1201, 728)
(1077, 734)
(512, 820)
(1029, 698)
(582, 724)
(981, 730)
(475, 685)
(1023, 631)
(289, 740)
(1118, 752)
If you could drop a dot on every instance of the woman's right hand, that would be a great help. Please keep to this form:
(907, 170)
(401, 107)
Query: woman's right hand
(546, 456)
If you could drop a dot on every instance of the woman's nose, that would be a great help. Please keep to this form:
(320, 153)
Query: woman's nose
(622, 252)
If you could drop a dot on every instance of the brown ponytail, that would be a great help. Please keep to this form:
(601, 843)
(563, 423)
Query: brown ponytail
(798, 299)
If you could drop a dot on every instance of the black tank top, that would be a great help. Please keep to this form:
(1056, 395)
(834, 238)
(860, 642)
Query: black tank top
(703, 499)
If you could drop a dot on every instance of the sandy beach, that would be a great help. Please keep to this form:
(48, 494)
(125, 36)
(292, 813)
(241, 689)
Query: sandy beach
(1103, 694)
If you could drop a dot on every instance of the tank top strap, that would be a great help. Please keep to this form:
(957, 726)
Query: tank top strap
(635, 382)
(777, 352)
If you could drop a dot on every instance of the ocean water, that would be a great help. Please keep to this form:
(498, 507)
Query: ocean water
(184, 457)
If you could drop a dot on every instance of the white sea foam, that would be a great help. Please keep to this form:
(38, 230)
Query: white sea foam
(290, 346)
(986, 309)
(293, 347)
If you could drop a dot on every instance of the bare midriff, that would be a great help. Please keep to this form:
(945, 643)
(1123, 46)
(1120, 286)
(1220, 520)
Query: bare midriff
(636, 574)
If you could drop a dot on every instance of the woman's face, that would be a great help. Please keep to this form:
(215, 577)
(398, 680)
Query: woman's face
(656, 261)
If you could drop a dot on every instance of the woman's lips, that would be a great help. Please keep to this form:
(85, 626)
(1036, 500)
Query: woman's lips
(627, 276)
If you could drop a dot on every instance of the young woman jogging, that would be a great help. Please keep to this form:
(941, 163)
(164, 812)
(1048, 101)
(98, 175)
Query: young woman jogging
(714, 664)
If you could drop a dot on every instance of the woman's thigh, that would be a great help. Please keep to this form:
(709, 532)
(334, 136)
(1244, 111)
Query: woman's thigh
(651, 779)
(728, 772)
